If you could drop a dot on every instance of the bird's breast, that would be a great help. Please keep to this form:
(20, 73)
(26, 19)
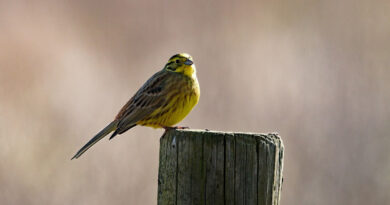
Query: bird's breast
(178, 106)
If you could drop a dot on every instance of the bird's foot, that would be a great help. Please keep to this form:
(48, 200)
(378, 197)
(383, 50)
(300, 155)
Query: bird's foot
(175, 128)
(182, 127)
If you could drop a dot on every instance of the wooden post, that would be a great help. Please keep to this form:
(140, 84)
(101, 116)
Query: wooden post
(207, 167)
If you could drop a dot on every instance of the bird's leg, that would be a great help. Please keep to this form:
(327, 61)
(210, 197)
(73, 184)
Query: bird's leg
(176, 127)
(167, 128)
(180, 127)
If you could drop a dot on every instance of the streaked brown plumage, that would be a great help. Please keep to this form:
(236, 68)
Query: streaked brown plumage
(163, 101)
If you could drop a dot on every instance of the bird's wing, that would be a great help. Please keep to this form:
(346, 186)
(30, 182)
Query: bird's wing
(152, 95)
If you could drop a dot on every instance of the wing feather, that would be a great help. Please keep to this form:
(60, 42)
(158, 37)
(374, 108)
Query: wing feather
(152, 95)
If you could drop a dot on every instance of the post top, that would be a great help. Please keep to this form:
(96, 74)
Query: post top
(273, 138)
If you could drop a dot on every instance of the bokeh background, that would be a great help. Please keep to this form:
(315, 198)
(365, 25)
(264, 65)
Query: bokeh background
(317, 72)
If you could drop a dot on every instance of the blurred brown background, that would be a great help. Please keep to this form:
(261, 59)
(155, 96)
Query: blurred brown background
(317, 72)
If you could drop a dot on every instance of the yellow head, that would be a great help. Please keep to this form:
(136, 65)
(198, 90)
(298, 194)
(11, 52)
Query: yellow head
(181, 63)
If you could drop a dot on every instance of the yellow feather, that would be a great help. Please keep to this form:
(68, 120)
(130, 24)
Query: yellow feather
(163, 101)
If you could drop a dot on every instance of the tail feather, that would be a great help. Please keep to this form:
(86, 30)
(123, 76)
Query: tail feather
(118, 131)
(109, 128)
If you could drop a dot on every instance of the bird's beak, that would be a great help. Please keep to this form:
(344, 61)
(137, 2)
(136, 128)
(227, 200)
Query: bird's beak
(188, 62)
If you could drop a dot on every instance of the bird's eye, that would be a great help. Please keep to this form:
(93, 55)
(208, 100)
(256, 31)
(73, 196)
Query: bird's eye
(177, 61)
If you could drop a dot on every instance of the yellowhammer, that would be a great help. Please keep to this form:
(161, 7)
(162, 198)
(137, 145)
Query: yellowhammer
(163, 101)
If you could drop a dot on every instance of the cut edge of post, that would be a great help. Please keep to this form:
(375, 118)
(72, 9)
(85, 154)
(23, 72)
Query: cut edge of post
(272, 137)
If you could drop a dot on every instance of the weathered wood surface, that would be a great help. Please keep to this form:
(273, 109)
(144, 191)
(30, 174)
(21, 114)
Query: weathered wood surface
(207, 167)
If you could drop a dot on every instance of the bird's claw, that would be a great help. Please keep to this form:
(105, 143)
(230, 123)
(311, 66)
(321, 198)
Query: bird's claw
(176, 127)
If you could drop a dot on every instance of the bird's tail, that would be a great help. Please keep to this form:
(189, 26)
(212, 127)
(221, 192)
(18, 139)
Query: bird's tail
(109, 128)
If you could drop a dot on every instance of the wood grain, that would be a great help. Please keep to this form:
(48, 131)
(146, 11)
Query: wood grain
(207, 167)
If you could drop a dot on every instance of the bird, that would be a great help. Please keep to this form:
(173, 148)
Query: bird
(163, 100)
